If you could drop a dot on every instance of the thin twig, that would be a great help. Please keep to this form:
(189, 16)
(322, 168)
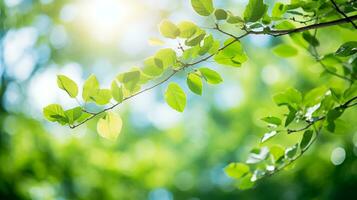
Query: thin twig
(342, 13)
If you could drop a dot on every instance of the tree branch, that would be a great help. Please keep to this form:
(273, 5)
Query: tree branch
(342, 13)
(236, 38)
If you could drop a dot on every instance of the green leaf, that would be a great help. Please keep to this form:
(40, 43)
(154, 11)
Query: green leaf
(255, 10)
(232, 19)
(194, 82)
(130, 79)
(232, 55)
(203, 7)
(109, 126)
(175, 97)
(73, 114)
(276, 152)
(67, 85)
(306, 139)
(246, 182)
(207, 45)
(167, 57)
(268, 135)
(291, 151)
(236, 170)
(291, 116)
(117, 92)
(153, 67)
(278, 10)
(272, 120)
(291, 97)
(211, 76)
(169, 29)
(102, 96)
(90, 87)
(220, 14)
(196, 38)
(187, 29)
(310, 39)
(284, 50)
(55, 113)
(347, 49)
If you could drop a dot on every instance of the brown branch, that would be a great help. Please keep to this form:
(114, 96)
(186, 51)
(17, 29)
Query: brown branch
(236, 38)
(342, 13)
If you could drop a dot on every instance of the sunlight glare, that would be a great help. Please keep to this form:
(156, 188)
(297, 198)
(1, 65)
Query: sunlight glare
(103, 18)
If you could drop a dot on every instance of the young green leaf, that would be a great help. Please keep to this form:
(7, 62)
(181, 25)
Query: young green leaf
(203, 7)
(169, 29)
(233, 55)
(268, 135)
(167, 57)
(67, 85)
(272, 120)
(130, 79)
(187, 29)
(306, 139)
(284, 50)
(236, 170)
(90, 87)
(153, 67)
(211, 76)
(175, 97)
(291, 151)
(109, 126)
(246, 182)
(73, 114)
(196, 38)
(117, 92)
(102, 96)
(255, 10)
(276, 152)
(291, 97)
(55, 113)
(194, 82)
(220, 14)
(347, 49)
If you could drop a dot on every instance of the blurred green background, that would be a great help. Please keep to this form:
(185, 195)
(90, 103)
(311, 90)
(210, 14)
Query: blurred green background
(160, 154)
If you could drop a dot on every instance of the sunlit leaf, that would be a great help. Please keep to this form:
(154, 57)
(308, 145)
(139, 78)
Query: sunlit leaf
(55, 113)
(194, 82)
(211, 76)
(203, 7)
(268, 135)
(187, 29)
(236, 170)
(90, 87)
(117, 92)
(109, 126)
(102, 96)
(73, 114)
(169, 29)
(255, 10)
(175, 97)
(67, 85)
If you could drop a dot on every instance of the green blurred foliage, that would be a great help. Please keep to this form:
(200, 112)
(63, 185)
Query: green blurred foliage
(39, 160)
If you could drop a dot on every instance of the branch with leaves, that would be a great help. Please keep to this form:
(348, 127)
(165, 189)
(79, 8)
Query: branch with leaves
(196, 46)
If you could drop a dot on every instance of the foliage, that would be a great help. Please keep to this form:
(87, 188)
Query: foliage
(310, 113)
